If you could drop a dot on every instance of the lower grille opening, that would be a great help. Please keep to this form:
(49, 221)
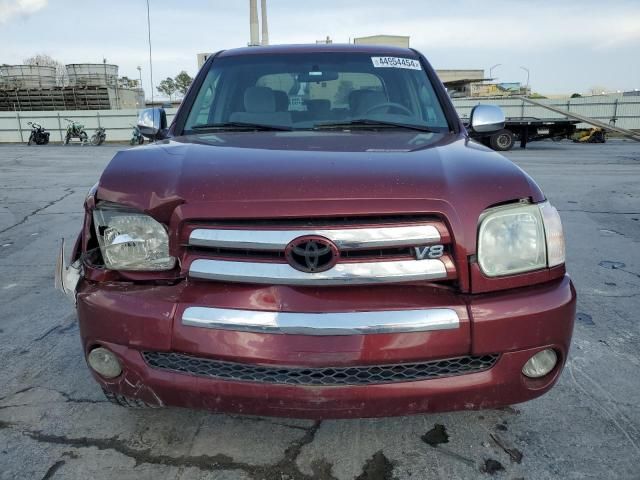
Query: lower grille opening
(326, 376)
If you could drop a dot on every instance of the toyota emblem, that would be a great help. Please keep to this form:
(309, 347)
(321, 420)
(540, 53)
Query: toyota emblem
(312, 254)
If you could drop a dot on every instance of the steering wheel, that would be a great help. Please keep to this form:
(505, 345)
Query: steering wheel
(398, 106)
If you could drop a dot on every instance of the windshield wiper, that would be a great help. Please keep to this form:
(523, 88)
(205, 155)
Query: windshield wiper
(239, 126)
(368, 123)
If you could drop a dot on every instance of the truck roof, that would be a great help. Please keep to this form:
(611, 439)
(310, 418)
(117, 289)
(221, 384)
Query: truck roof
(319, 48)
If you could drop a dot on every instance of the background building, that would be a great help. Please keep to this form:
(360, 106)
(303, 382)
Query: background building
(394, 40)
(460, 83)
(90, 86)
(497, 90)
(202, 57)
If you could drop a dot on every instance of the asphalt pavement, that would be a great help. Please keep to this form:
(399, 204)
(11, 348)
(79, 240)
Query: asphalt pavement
(55, 423)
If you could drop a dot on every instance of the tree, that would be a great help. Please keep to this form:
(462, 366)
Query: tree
(183, 81)
(44, 60)
(167, 87)
(576, 95)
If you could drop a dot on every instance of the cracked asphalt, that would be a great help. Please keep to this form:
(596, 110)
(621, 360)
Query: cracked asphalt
(55, 423)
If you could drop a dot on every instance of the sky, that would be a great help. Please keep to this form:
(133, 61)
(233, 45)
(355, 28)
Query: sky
(567, 46)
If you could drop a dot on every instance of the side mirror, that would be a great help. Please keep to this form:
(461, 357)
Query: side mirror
(152, 123)
(486, 119)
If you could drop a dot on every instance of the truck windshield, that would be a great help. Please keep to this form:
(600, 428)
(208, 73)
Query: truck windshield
(315, 91)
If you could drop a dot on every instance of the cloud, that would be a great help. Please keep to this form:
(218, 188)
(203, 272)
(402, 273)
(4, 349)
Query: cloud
(500, 25)
(21, 8)
(566, 48)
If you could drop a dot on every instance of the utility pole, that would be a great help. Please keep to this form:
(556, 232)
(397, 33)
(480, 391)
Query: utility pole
(265, 25)
(526, 70)
(150, 59)
(253, 23)
(141, 93)
(491, 69)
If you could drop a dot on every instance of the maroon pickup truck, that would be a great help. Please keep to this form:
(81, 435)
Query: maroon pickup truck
(315, 235)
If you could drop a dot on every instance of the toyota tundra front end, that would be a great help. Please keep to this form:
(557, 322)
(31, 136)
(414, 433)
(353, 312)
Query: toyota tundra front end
(315, 235)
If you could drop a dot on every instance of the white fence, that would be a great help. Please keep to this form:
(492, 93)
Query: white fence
(118, 123)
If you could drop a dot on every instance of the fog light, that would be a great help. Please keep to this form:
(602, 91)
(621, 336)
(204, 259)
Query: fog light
(104, 362)
(540, 364)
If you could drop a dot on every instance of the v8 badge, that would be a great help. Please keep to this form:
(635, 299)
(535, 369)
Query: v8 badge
(428, 252)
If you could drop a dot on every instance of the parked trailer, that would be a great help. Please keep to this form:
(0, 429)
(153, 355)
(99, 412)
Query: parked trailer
(525, 130)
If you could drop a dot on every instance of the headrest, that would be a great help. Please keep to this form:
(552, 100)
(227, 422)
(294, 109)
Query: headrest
(354, 99)
(319, 105)
(259, 100)
(282, 101)
(368, 99)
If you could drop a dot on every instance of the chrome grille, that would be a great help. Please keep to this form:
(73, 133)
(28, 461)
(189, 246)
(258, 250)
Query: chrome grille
(279, 256)
(365, 273)
(370, 253)
(310, 222)
(344, 238)
(323, 376)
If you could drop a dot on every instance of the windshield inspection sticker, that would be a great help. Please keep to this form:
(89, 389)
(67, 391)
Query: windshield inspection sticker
(396, 62)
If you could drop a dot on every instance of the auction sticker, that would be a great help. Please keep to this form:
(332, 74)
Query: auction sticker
(396, 62)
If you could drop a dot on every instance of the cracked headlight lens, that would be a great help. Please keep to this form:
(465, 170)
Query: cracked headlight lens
(511, 240)
(131, 240)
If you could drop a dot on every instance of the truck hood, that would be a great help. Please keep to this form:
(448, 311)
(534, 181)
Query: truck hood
(306, 173)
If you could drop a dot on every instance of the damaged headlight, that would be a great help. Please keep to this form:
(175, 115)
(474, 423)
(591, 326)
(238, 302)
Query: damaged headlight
(554, 234)
(131, 240)
(520, 238)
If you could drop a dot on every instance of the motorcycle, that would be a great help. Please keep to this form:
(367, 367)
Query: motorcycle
(136, 136)
(99, 136)
(38, 134)
(75, 130)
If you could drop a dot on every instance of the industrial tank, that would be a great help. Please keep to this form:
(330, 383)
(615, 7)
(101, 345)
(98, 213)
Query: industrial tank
(92, 74)
(27, 76)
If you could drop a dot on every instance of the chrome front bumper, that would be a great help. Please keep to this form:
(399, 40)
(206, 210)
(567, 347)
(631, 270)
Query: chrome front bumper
(335, 323)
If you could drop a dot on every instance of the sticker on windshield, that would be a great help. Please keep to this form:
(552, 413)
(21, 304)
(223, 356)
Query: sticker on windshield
(396, 62)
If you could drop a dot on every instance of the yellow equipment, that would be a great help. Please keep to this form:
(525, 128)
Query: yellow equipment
(590, 135)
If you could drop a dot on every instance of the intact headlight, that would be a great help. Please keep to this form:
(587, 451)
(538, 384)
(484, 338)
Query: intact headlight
(520, 238)
(131, 240)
